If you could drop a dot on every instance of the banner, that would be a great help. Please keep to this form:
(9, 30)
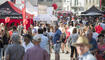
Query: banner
(42, 9)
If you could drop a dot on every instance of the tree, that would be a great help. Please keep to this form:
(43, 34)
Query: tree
(103, 5)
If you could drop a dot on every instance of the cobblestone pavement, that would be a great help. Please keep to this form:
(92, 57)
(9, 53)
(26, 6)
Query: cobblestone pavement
(63, 56)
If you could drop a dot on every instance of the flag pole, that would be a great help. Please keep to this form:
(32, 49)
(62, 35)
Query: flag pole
(24, 14)
(100, 3)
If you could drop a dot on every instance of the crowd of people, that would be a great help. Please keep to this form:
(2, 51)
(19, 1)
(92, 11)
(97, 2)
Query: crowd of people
(83, 39)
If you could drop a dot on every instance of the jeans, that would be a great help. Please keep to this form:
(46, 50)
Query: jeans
(73, 51)
(57, 47)
(0, 53)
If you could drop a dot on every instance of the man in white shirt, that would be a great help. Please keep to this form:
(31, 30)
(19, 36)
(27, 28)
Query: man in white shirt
(27, 42)
(35, 30)
(44, 42)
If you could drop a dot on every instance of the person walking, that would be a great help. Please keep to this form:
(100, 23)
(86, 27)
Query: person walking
(27, 42)
(57, 42)
(72, 39)
(44, 42)
(36, 52)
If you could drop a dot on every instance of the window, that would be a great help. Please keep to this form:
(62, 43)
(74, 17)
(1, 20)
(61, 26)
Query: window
(67, 7)
(40, 0)
(89, 1)
(50, 0)
(97, 1)
(75, 3)
(58, 0)
(64, 0)
(86, 1)
(93, 1)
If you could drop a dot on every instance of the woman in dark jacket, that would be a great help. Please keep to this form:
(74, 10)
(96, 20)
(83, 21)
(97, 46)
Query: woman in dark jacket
(1, 44)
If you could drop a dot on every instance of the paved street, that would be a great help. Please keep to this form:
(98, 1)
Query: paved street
(63, 56)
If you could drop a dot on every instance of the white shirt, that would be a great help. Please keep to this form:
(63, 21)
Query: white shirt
(27, 46)
(44, 43)
(84, 22)
(35, 29)
(61, 28)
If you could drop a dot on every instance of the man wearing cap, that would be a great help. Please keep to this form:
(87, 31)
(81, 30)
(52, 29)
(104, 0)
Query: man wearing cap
(45, 41)
(83, 46)
(36, 52)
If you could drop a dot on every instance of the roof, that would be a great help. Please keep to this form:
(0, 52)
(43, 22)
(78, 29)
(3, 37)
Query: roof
(8, 9)
(93, 9)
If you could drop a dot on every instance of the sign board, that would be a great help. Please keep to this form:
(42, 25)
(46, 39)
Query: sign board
(50, 10)
(42, 9)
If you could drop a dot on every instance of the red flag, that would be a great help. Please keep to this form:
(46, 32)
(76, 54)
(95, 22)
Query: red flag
(24, 13)
(7, 19)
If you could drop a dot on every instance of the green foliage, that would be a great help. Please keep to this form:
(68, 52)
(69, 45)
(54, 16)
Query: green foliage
(103, 5)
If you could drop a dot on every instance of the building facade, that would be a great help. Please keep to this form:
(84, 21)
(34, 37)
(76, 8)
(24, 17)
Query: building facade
(78, 6)
(66, 5)
(75, 6)
(50, 2)
(89, 3)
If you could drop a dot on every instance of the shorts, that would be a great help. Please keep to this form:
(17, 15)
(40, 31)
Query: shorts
(57, 47)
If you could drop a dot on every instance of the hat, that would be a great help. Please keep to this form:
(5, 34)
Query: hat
(37, 38)
(82, 40)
